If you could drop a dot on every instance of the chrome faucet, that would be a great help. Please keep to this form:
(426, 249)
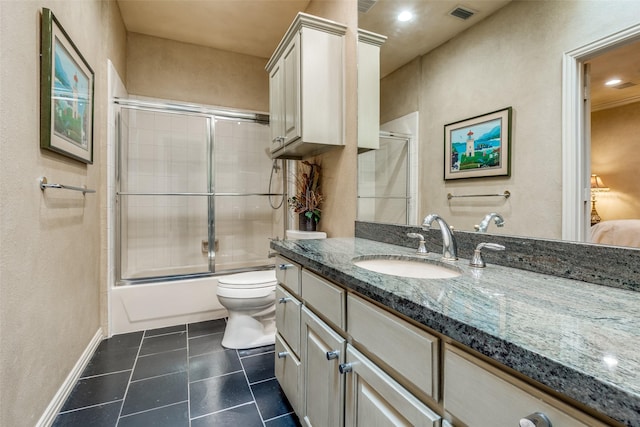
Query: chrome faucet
(449, 247)
(497, 218)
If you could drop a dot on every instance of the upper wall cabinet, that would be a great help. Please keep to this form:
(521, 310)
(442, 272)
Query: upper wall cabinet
(369, 90)
(306, 88)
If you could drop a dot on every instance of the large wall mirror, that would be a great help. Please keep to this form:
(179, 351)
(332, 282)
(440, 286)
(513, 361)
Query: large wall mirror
(451, 61)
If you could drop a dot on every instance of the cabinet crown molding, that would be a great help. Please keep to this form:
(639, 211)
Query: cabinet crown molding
(304, 20)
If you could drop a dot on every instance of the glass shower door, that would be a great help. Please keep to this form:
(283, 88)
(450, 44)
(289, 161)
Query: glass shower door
(164, 194)
(383, 182)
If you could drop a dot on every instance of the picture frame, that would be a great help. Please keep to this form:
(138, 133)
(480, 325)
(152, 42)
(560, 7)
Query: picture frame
(478, 147)
(66, 94)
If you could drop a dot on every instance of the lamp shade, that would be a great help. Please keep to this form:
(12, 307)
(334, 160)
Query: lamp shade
(597, 184)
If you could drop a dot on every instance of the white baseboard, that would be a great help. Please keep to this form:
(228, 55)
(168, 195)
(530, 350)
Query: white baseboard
(49, 415)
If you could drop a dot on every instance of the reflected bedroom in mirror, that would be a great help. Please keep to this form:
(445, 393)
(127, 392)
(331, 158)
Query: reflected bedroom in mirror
(445, 61)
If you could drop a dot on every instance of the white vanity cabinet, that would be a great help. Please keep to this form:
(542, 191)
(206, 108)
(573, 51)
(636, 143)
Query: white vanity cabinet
(373, 398)
(306, 88)
(480, 395)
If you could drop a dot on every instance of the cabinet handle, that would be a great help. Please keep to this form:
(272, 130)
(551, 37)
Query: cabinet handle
(334, 354)
(282, 354)
(345, 368)
(284, 300)
(285, 266)
(537, 419)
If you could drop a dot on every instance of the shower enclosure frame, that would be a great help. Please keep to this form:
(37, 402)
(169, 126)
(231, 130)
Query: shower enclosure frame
(211, 115)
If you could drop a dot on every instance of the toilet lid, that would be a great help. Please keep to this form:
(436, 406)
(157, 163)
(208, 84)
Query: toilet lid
(251, 279)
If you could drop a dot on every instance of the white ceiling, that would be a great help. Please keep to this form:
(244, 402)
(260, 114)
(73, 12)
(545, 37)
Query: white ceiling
(622, 63)
(255, 27)
(430, 27)
(251, 27)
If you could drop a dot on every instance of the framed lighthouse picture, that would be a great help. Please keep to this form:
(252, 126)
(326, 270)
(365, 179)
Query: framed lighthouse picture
(478, 147)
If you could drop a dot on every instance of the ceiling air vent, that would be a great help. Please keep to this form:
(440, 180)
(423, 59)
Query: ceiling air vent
(462, 13)
(365, 5)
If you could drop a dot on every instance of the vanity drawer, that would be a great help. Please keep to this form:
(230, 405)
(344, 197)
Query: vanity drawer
(288, 274)
(478, 394)
(409, 351)
(288, 370)
(326, 298)
(288, 318)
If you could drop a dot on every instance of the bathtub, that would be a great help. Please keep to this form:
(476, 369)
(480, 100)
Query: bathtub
(156, 305)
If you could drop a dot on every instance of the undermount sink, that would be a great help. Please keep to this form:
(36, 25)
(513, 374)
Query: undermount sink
(407, 267)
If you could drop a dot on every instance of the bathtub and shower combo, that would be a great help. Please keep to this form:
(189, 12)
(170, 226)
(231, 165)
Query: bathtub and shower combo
(197, 199)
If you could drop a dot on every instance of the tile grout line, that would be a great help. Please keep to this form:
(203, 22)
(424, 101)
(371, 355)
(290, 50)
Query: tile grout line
(133, 368)
(151, 409)
(224, 410)
(82, 408)
(188, 381)
(251, 390)
(264, 380)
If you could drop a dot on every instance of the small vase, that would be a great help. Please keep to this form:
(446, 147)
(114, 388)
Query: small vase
(306, 224)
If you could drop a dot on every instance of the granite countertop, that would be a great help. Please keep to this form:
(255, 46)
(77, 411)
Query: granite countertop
(579, 339)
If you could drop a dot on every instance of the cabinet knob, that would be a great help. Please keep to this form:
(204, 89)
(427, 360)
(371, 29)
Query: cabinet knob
(537, 419)
(334, 354)
(345, 368)
(284, 300)
(285, 266)
(282, 354)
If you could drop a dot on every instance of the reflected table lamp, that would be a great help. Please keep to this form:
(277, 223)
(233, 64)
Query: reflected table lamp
(597, 186)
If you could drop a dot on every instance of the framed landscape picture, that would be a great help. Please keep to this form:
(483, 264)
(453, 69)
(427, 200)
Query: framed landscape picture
(66, 94)
(478, 147)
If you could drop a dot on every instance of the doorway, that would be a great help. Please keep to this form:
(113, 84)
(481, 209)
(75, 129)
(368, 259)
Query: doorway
(576, 137)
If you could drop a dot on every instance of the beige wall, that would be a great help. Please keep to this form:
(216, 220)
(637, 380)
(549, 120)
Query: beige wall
(615, 156)
(168, 69)
(339, 166)
(494, 65)
(51, 252)
(399, 92)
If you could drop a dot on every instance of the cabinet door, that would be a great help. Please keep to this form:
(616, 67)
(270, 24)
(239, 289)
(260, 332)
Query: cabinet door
(291, 89)
(372, 398)
(288, 318)
(276, 106)
(287, 370)
(323, 401)
(411, 352)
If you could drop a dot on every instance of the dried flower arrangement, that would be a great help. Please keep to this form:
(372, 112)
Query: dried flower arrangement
(308, 198)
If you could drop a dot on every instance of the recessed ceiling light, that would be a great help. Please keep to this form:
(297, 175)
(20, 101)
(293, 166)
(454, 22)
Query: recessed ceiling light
(405, 16)
(613, 82)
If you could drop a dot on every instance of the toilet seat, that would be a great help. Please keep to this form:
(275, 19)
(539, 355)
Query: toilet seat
(249, 280)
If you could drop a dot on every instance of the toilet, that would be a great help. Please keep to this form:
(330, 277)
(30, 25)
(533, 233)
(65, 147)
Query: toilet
(250, 300)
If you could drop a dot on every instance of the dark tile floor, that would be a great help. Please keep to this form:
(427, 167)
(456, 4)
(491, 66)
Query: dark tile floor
(179, 376)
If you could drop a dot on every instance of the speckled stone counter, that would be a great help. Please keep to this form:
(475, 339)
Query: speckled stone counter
(577, 338)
